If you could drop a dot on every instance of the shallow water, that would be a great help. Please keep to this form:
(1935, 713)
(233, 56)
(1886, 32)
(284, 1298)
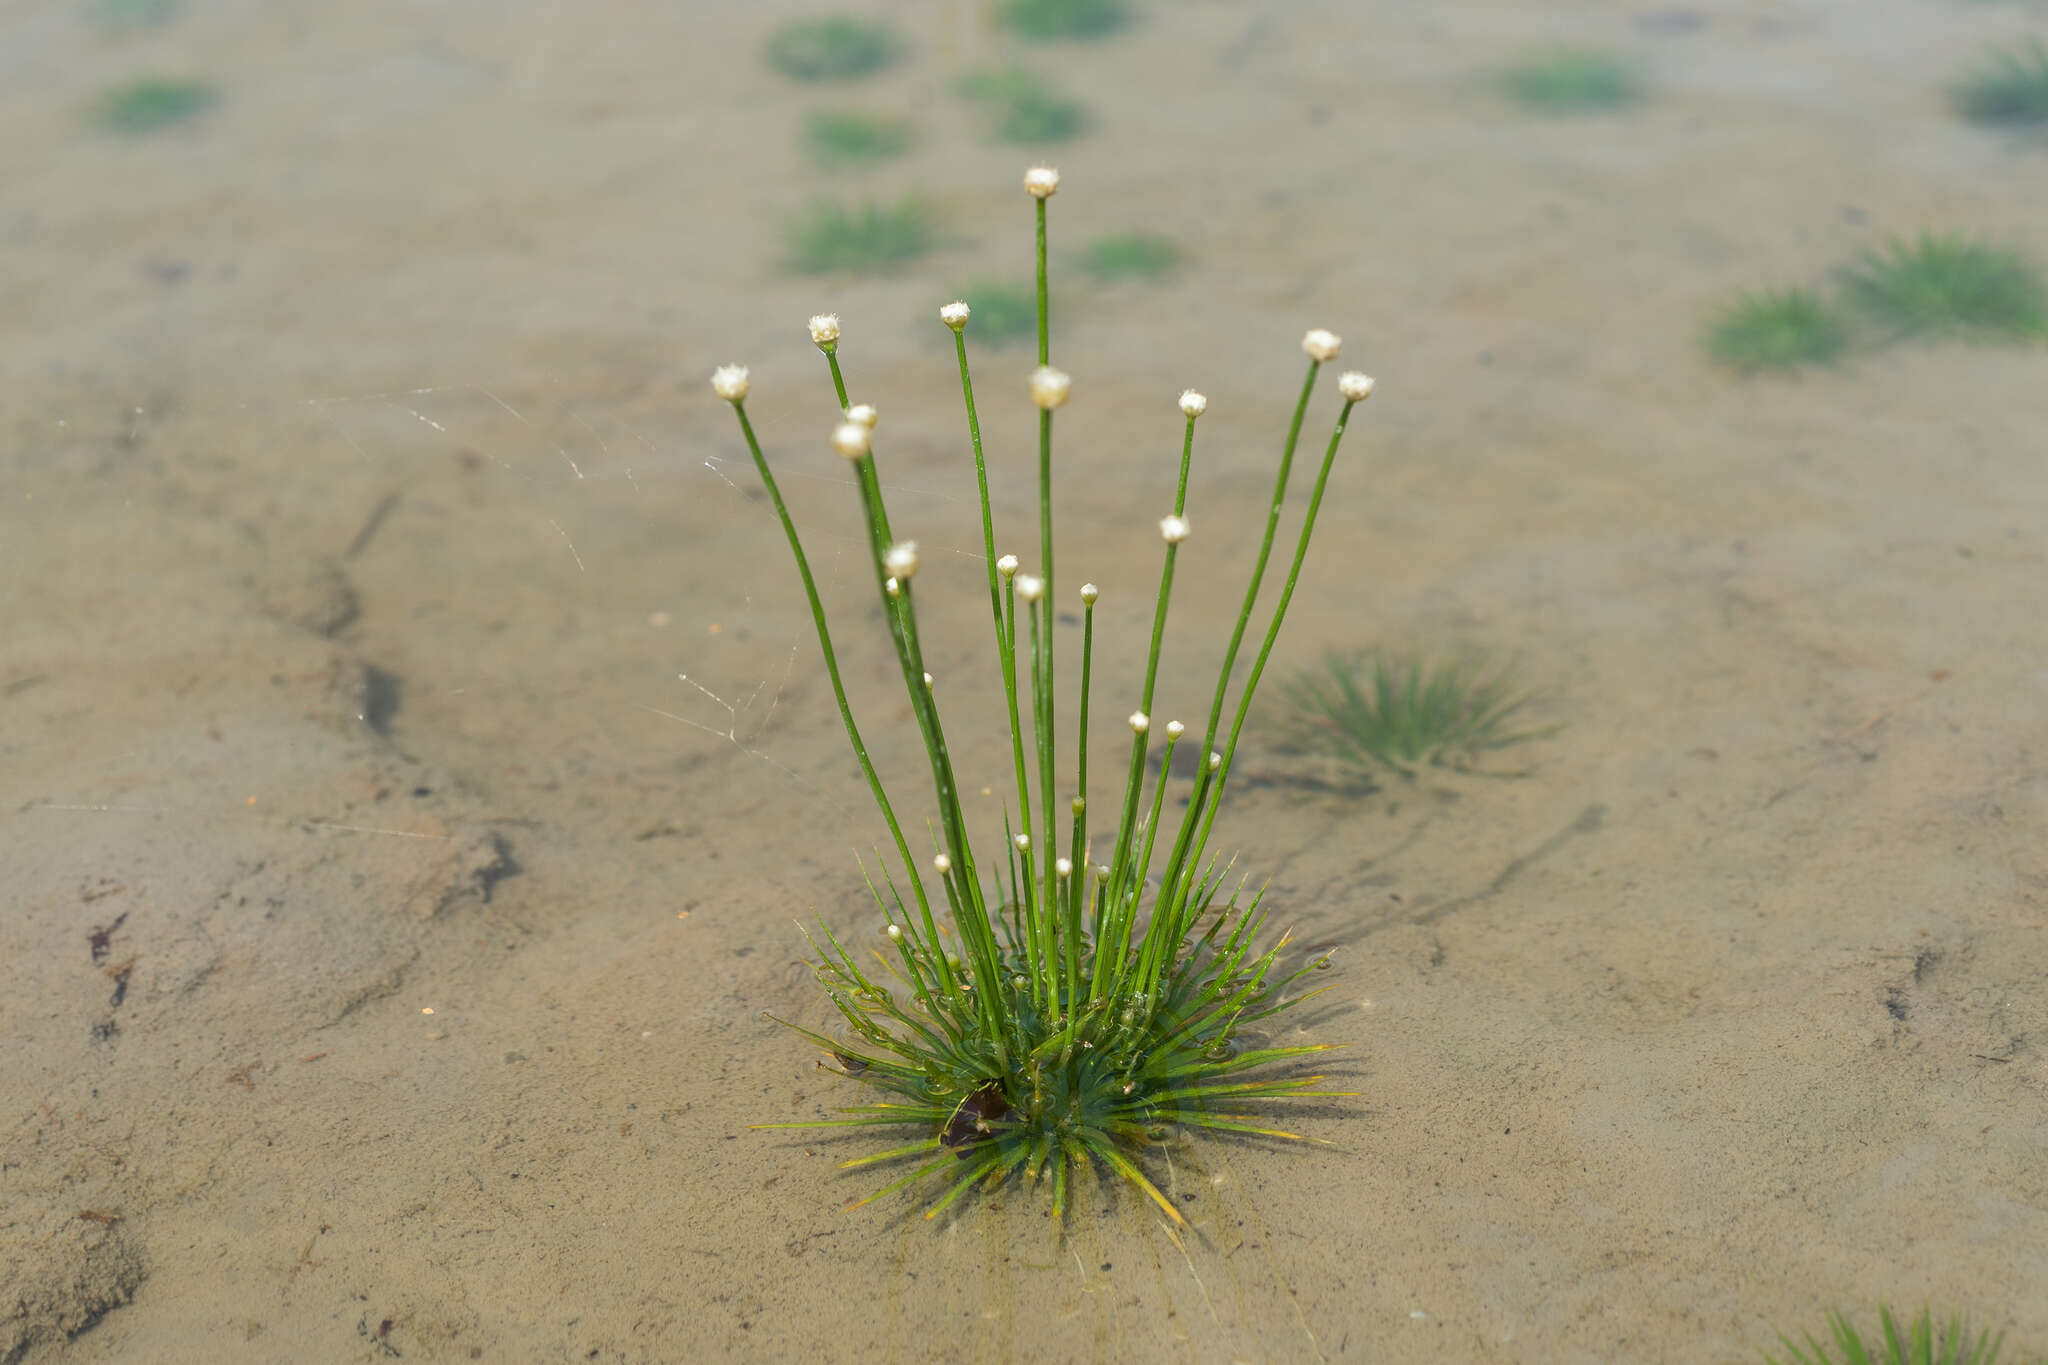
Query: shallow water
(415, 753)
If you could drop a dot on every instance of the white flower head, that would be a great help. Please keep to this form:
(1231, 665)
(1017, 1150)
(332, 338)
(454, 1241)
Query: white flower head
(1173, 529)
(1140, 722)
(892, 587)
(864, 414)
(895, 933)
(1041, 182)
(1063, 868)
(1049, 387)
(1174, 729)
(1192, 404)
(928, 682)
(1322, 346)
(730, 382)
(941, 863)
(1030, 587)
(1089, 592)
(825, 331)
(954, 314)
(900, 559)
(1007, 566)
(1355, 387)
(1215, 760)
(850, 439)
(1023, 843)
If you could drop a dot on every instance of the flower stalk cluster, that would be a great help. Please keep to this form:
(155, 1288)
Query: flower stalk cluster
(1057, 1011)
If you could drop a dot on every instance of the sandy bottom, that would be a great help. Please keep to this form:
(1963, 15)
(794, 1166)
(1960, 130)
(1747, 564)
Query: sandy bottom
(388, 925)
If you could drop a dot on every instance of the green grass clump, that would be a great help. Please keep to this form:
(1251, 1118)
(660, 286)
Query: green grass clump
(1093, 983)
(1043, 19)
(2008, 88)
(1023, 108)
(1406, 714)
(1919, 1346)
(1002, 313)
(1571, 81)
(155, 103)
(1777, 329)
(1943, 284)
(133, 14)
(1131, 256)
(832, 49)
(836, 140)
(867, 238)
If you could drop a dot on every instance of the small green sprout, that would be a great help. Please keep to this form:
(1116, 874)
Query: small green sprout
(835, 139)
(1043, 19)
(1918, 1347)
(1131, 256)
(1776, 329)
(1944, 284)
(866, 238)
(1003, 313)
(2006, 88)
(154, 103)
(833, 49)
(133, 14)
(1023, 108)
(1572, 81)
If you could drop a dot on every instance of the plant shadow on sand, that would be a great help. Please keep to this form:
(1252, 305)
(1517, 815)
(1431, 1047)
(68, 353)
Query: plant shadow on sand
(1377, 714)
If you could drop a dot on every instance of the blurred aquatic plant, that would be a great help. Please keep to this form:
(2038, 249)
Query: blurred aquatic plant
(834, 48)
(1918, 1346)
(2008, 88)
(133, 14)
(1944, 284)
(154, 103)
(838, 139)
(1042, 19)
(871, 238)
(1131, 256)
(1076, 1002)
(1777, 329)
(1023, 108)
(1570, 81)
(1003, 313)
(1378, 711)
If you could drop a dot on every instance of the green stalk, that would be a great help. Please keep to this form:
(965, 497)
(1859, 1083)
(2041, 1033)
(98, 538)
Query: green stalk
(1201, 802)
(1185, 843)
(1251, 592)
(1080, 840)
(988, 526)
(1022, 897)
(1187, 840)
(1126, 827)
(962, 883)
(1143, 863)
(1042, 646)
(860, 748)
(1044, 313)
(831, 354)
(1046, 975)
(1251, 685)
(1116, 919)
(1180, 504)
